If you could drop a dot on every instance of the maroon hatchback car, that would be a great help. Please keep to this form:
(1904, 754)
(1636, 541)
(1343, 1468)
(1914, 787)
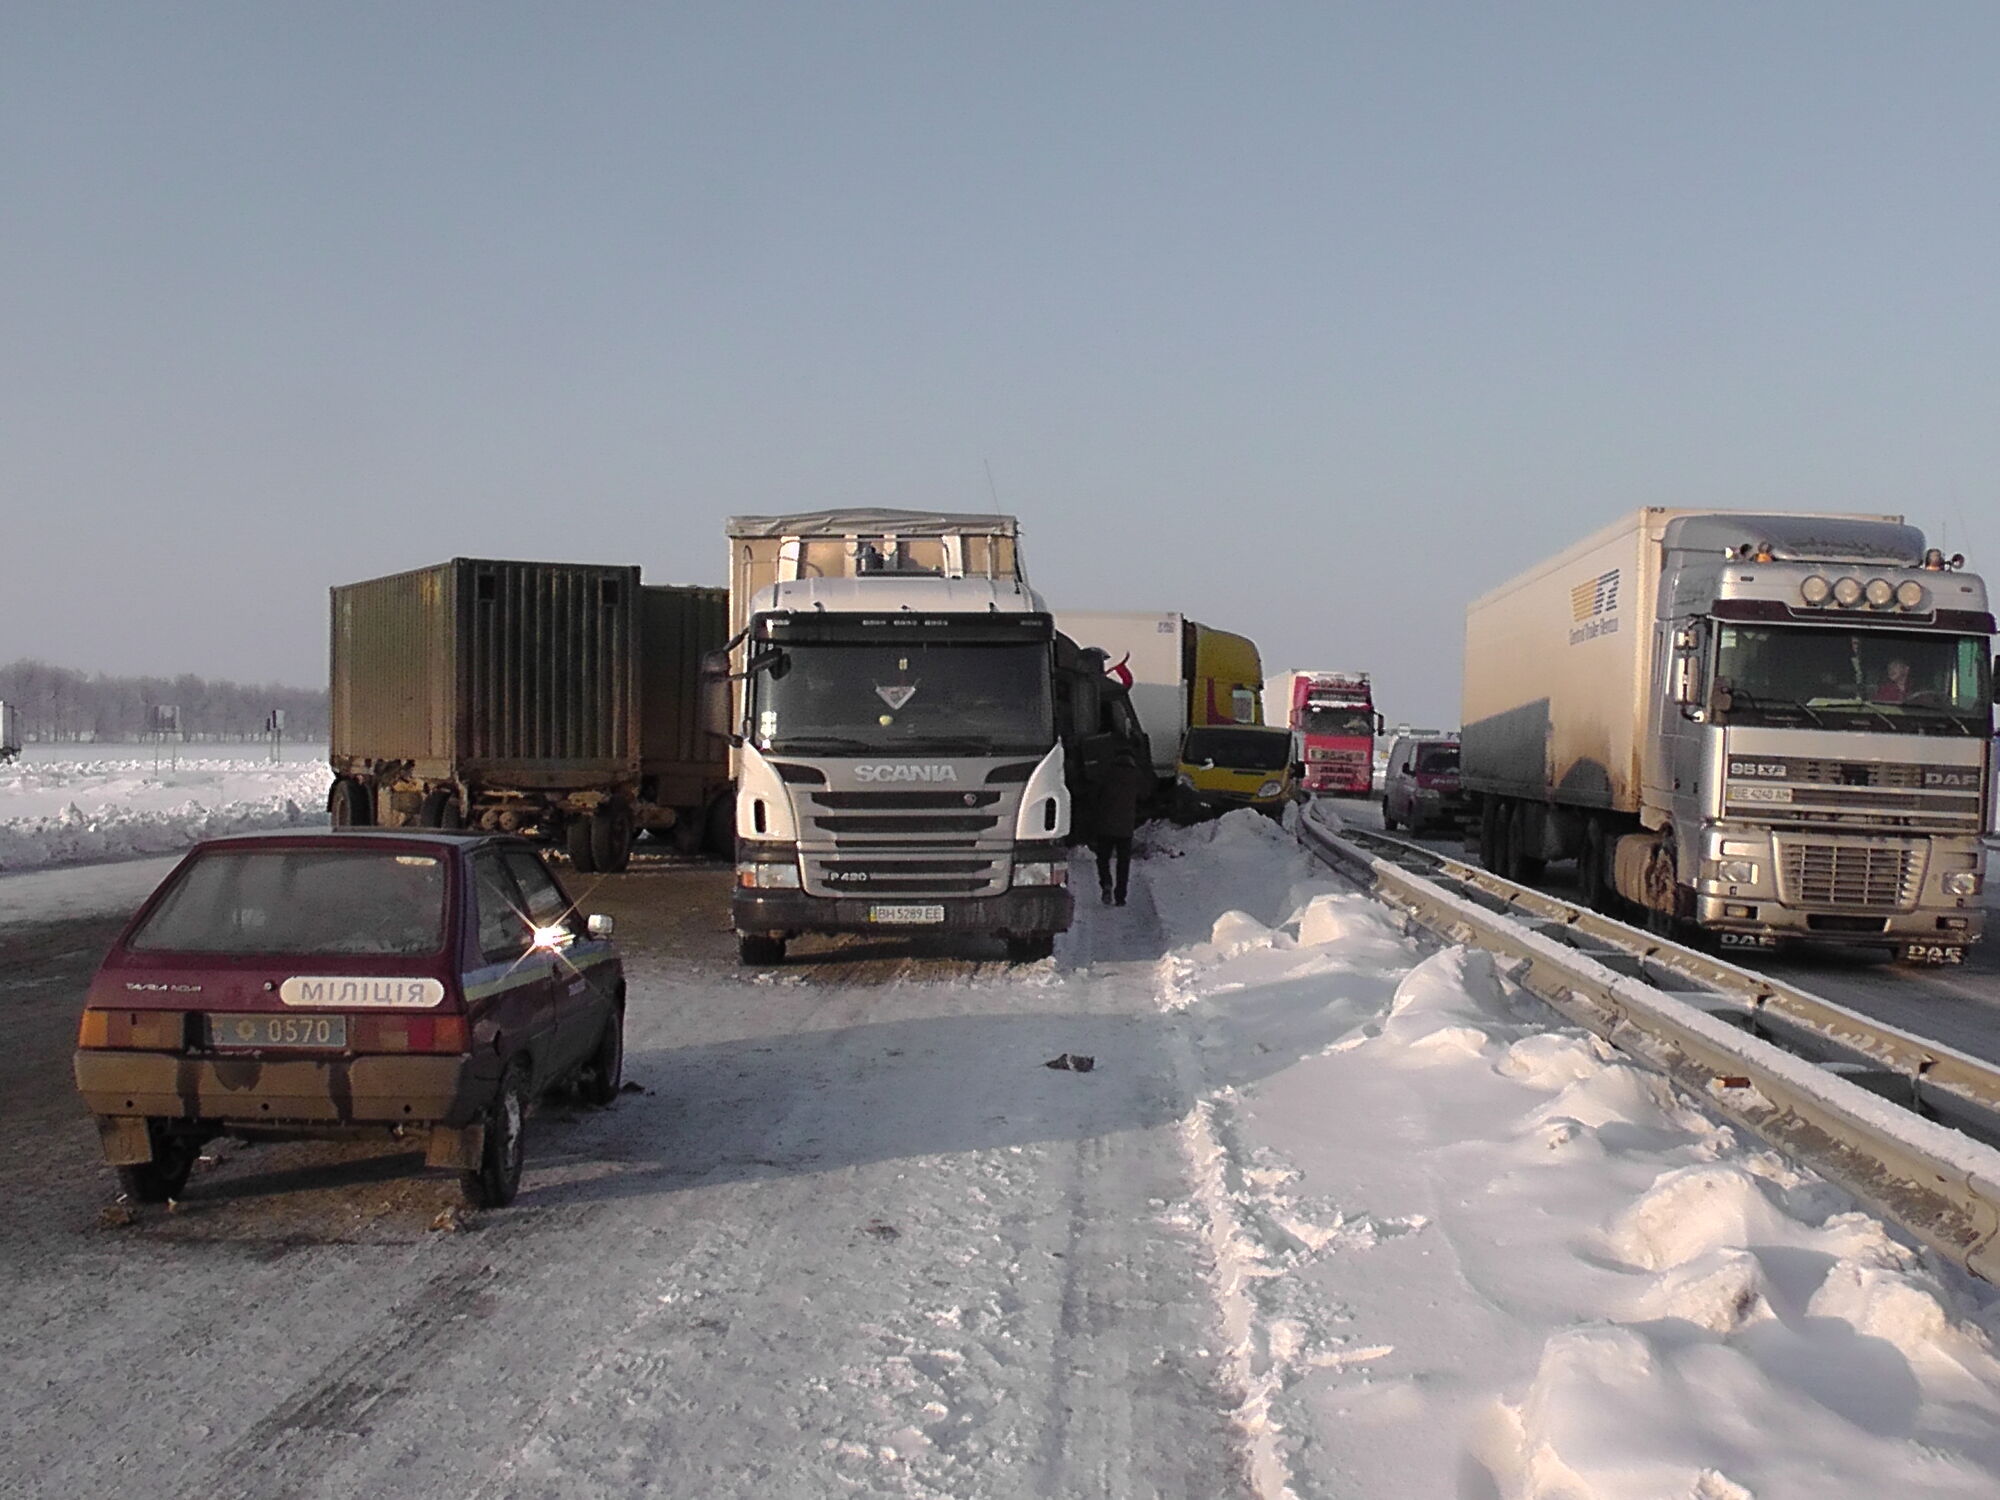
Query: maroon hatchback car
(349, 983)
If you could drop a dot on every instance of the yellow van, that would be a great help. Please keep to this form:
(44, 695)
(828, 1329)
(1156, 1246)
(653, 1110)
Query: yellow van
(1227, 766)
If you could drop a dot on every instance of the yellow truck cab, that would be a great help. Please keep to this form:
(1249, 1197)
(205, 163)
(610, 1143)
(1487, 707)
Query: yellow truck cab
(1226, 766)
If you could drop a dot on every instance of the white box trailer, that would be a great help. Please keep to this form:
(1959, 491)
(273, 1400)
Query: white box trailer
(1558, 667)
(1147, 651)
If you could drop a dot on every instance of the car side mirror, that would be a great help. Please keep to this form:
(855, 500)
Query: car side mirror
(598, 925)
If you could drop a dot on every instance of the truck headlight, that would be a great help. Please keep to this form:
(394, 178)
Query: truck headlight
(768, 877)
(1270, 788)
(1041, 874)
(1962, 883)
(1736, 872)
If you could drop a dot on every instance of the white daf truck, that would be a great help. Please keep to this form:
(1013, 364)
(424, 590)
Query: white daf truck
(1760, 727)
(908, 726)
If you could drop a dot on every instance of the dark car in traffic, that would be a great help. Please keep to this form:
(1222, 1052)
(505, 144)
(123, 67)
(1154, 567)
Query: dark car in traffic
(1420, 787)
(349, 983)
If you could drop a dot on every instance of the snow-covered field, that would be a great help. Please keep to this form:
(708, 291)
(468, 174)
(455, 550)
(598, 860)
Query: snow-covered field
(62, 805)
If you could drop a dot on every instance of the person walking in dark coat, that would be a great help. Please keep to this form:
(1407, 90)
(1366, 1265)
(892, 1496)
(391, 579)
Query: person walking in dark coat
(1115, 816)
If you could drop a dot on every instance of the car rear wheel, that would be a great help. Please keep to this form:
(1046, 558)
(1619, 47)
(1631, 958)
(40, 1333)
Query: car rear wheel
(757, 949)
(163, 1177)
(1388, 819)
(497, 1179)
(604, 1074)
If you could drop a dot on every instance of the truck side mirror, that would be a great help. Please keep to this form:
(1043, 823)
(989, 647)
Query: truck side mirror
(716, 697)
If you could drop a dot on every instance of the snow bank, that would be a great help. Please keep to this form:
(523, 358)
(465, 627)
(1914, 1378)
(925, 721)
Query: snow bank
(58, 812)
(1457, 1247)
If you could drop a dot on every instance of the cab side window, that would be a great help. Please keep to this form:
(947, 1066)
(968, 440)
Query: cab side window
(505, 928)
(546, 904)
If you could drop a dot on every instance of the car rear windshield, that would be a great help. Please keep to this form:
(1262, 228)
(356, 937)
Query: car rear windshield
(1435, 759)
(299, 901)
(1242, 749)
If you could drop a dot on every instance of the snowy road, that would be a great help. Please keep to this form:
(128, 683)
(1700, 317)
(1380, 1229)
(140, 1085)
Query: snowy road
(1329, 1217)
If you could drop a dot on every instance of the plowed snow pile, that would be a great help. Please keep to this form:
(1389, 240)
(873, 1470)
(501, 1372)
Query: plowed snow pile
(58, 812)
(1461, 1249)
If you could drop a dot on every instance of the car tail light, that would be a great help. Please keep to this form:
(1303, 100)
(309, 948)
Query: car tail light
(133, 1030)
(409, 1034)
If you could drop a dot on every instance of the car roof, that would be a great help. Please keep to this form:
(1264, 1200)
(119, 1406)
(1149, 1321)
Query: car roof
(457, 838)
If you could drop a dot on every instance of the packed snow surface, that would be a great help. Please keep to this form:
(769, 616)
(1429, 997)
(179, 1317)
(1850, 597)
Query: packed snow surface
(129, 800)
(1449, 1246)
(1459, 1248)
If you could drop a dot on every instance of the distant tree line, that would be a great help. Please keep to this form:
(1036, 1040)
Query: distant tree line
(60, 703)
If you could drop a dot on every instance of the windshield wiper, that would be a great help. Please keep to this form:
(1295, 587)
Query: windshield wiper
(961, 745)
(1862, 705)
(823, 744)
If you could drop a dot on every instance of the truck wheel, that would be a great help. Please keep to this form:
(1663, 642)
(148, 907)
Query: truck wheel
(166, 1174)
(498, 1177)
(757, 950)
(1489, 834)
(1030, 947)
(577, 839)
(348, 804)
(611, 838)
(440, 810)
(688, 831)
(1593, 868)
(719, 826)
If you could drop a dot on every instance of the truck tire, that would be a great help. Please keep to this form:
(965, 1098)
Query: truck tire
(611, 838)
(1031, 947)
(719, 825)
(755, 950)
(440, 810)
(1490, 831)
(577, 839)
(348, 804)
(1593, 868)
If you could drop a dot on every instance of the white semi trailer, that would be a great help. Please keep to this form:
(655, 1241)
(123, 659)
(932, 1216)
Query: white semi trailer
(1761, 727)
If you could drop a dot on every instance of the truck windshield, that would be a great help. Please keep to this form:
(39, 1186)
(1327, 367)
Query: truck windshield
(1321, 718)
(1239, 749)
(946, 698)
(1898, 681)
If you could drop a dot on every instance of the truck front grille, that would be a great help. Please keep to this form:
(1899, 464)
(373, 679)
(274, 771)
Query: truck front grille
(908, 875)
(1877, 876)
(907, 843)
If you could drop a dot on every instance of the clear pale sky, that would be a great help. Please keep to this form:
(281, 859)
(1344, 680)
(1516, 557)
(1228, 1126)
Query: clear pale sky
(1309, 320)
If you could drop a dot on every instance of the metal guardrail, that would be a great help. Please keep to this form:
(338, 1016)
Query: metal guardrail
(1865, 1104)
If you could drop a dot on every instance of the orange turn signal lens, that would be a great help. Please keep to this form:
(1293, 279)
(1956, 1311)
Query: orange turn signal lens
(137, 1030)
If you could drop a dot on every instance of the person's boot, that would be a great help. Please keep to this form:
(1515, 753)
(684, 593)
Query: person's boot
(1120, 899)
(1107, 895)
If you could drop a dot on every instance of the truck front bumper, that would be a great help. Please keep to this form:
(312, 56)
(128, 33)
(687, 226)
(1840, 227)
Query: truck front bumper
(1019, 912)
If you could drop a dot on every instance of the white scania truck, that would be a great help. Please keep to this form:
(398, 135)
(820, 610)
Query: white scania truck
(1760, 727)
(903, 707)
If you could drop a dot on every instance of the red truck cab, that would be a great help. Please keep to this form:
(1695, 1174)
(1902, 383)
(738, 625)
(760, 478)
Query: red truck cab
(1333, 715)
